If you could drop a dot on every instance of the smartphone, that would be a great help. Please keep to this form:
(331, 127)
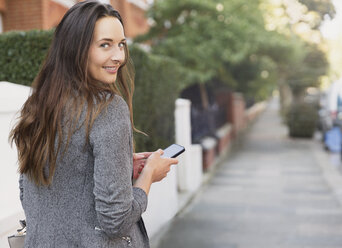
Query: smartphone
(173, 151)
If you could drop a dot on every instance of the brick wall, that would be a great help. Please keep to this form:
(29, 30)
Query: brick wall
(53, 14)
(133, 17)
(22, 15)
(45, 14)
(2, 6)
(31, 14)
(138, 22)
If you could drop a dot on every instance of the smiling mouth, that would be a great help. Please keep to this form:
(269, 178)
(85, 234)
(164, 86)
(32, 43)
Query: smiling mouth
(111, 69)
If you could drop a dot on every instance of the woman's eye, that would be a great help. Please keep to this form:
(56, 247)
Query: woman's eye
(105, 45)
(122, 44)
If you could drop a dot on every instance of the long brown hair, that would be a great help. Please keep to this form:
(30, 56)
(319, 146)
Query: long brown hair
(63, 87)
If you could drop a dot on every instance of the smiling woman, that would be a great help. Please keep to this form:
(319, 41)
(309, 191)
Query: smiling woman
(107, 51)
(75, 140)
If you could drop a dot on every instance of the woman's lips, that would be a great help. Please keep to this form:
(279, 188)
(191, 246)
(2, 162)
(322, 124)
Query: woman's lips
(111, 69)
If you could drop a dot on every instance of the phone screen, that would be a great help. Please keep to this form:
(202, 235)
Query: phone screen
(173, 151)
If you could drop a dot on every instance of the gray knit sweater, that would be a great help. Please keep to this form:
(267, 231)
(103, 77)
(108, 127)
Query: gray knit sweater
(91, 201)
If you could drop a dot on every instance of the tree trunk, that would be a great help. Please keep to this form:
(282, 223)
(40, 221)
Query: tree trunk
(286, 98)
(204, 96)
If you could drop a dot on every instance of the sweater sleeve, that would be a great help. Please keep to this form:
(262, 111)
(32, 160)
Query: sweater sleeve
(117, 203)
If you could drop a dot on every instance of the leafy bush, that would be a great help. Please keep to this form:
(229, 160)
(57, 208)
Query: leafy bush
(302, 120)
(21, 55)
(158, 82)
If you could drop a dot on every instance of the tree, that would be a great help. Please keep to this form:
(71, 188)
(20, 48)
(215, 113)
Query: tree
(300, 59)
(230, 41)
(212, 39)
(324, 9)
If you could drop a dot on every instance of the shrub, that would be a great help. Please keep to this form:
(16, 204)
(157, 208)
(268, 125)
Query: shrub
(21, 55)
(158, 82)
(302, 120)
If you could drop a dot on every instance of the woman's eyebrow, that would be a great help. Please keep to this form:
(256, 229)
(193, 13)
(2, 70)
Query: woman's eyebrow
(111, 40)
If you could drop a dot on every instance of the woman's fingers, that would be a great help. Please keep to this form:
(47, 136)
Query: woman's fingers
(160, 152)
(146, 154)
(172, 160)
(143, 155)
(137, 156)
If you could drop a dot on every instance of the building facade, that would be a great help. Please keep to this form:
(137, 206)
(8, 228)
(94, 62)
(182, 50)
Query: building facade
(46, 14)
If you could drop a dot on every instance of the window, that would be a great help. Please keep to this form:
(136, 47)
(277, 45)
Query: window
(143, 4)
(1, 24)
(66, 3)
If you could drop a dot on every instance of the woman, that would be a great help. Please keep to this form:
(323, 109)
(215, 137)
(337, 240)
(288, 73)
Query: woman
(74, 140)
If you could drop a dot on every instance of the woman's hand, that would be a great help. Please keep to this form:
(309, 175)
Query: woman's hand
(160, 166)
(154, 170)
(139, 160)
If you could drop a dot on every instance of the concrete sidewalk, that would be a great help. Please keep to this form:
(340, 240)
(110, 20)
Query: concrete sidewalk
(274, 192)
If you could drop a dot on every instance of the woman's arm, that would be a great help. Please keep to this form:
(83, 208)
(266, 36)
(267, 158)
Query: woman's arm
(118, 205)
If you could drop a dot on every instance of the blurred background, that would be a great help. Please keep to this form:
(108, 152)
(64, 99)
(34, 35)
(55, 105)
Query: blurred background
(216, 64)
(254, 48)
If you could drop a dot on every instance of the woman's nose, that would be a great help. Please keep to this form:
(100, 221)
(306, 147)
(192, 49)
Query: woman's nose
(118, 54)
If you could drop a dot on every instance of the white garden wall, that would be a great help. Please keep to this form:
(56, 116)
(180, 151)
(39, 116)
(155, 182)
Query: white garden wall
(166, 198)
(12, 97)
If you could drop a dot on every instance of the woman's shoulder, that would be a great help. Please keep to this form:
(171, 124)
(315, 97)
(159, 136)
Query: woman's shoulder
(113, 120)
(118, 102)
(116, 111)
(117, 107)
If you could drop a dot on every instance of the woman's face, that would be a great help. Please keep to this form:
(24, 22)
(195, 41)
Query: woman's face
(107, 51)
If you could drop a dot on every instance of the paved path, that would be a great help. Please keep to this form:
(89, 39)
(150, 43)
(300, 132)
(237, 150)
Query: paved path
(275, 192)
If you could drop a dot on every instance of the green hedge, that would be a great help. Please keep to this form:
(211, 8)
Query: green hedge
(302, 120)
(21, 55)
(158, 82)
